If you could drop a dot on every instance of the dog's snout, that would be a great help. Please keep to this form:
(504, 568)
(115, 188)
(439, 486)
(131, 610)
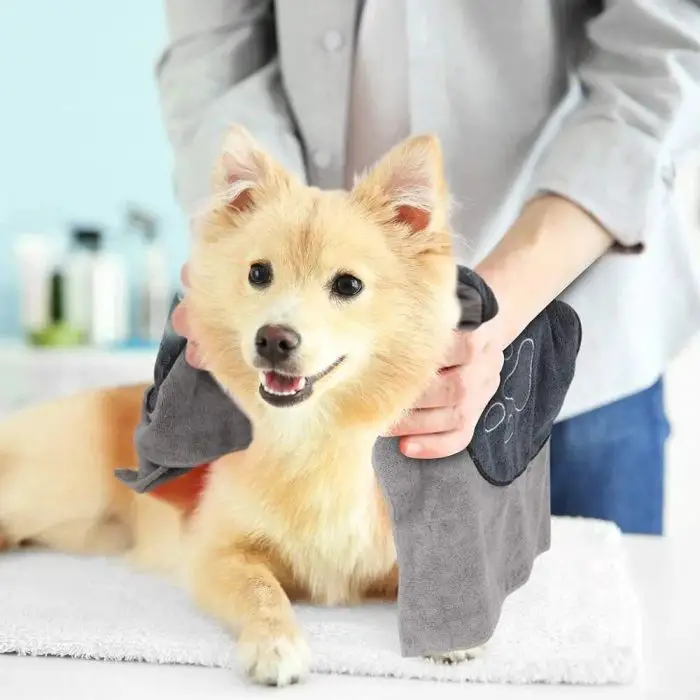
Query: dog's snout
(276, 343)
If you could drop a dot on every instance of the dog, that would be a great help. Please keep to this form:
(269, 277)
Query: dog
(325, 314)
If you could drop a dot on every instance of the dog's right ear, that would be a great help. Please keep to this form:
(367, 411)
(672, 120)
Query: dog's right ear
(407, 187)
(245, 172)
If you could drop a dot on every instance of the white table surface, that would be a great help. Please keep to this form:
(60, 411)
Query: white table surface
(666, 577)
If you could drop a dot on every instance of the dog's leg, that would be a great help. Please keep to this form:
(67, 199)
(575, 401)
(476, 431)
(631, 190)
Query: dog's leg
(239, 588)
(107, 536)
(384, 588)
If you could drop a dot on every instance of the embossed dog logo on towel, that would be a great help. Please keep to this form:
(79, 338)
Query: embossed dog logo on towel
(517, 389)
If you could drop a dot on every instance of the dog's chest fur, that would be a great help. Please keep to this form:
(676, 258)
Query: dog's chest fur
(324, 530)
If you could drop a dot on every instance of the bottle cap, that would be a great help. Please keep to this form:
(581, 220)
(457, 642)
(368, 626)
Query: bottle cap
(90, 238)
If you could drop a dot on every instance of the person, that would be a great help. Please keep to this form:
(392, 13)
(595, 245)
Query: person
(563, 124)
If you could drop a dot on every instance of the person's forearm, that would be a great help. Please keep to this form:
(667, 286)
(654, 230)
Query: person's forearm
(547, 248)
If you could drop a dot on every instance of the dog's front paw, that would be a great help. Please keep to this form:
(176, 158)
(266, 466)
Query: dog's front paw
(274, 655)
(456, 657)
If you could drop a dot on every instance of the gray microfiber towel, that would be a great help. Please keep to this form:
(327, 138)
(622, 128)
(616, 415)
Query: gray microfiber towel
(468, 527)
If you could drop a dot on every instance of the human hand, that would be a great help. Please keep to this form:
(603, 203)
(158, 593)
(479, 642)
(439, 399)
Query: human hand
(181, 325)
(443, 420)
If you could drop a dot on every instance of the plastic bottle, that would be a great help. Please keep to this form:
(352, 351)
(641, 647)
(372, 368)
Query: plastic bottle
(96, 289)
(58, 333)
(82, 253)
(155, 293)
(35, 258)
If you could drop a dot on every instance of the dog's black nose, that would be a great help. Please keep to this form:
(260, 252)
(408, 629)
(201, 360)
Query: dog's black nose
(276, 343)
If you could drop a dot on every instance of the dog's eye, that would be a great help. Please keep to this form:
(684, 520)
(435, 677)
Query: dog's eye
(346, 286)
(260, 274)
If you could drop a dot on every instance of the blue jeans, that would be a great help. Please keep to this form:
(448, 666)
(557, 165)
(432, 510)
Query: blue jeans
(609, 463)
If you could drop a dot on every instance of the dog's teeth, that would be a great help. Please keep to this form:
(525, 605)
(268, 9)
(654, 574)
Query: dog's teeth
(270, 390)
(266, 384)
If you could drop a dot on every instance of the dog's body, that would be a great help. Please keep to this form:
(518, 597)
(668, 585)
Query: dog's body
(325, 315)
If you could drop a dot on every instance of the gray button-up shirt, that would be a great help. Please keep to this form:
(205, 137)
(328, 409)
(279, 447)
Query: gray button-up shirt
(596, 101)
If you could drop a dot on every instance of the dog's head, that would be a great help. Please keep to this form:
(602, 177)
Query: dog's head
(332, 301)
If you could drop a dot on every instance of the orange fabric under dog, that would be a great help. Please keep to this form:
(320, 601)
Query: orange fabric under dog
(184, 491)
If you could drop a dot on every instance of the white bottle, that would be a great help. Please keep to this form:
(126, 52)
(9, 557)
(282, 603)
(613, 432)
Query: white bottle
(154, 290)
(79, 272)
(109, 292)
(156, 293)
(96, 290)
(35, 259)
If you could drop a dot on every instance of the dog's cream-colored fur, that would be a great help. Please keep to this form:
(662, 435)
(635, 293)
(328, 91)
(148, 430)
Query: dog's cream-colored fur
(299, 515)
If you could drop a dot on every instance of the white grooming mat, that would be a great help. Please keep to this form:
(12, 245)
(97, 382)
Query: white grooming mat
(576, 621)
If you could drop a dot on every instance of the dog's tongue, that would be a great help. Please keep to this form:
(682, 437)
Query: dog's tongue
(282, 383)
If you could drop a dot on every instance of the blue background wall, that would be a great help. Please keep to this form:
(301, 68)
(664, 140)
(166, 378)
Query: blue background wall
(80, 129)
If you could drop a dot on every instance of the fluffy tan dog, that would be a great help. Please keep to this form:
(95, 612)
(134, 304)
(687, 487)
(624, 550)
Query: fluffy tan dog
(325, 314)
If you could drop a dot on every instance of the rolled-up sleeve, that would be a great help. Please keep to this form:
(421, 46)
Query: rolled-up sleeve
(220, 67)
(616, 153)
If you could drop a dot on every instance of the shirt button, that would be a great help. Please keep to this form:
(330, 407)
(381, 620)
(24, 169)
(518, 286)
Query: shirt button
(668, 174)
(332, 40)
(322, 159)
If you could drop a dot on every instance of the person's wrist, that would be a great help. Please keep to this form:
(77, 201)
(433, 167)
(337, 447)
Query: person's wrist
(548, 246)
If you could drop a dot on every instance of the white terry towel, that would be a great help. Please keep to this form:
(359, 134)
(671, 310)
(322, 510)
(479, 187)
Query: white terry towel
(576, 621)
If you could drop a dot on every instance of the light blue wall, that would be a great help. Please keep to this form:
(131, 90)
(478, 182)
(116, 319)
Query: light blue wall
(80, 129)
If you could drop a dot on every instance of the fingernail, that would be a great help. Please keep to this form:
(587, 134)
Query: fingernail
(412, 449)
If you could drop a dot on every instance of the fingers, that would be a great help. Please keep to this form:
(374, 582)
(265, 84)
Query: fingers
(193, 356)
(443, 420)
(185, 276)
(466, 346)
(458, 385)
(179, 320)
(181, 325)
(437, 445)
(437, 432)
(430, 420)
(449, 388)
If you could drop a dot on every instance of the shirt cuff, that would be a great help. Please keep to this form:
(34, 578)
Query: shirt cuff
(613, 171)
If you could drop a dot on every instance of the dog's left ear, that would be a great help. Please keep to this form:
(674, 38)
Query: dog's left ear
(407, 186)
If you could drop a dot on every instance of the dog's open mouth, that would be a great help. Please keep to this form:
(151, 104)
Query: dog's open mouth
(281, 389)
